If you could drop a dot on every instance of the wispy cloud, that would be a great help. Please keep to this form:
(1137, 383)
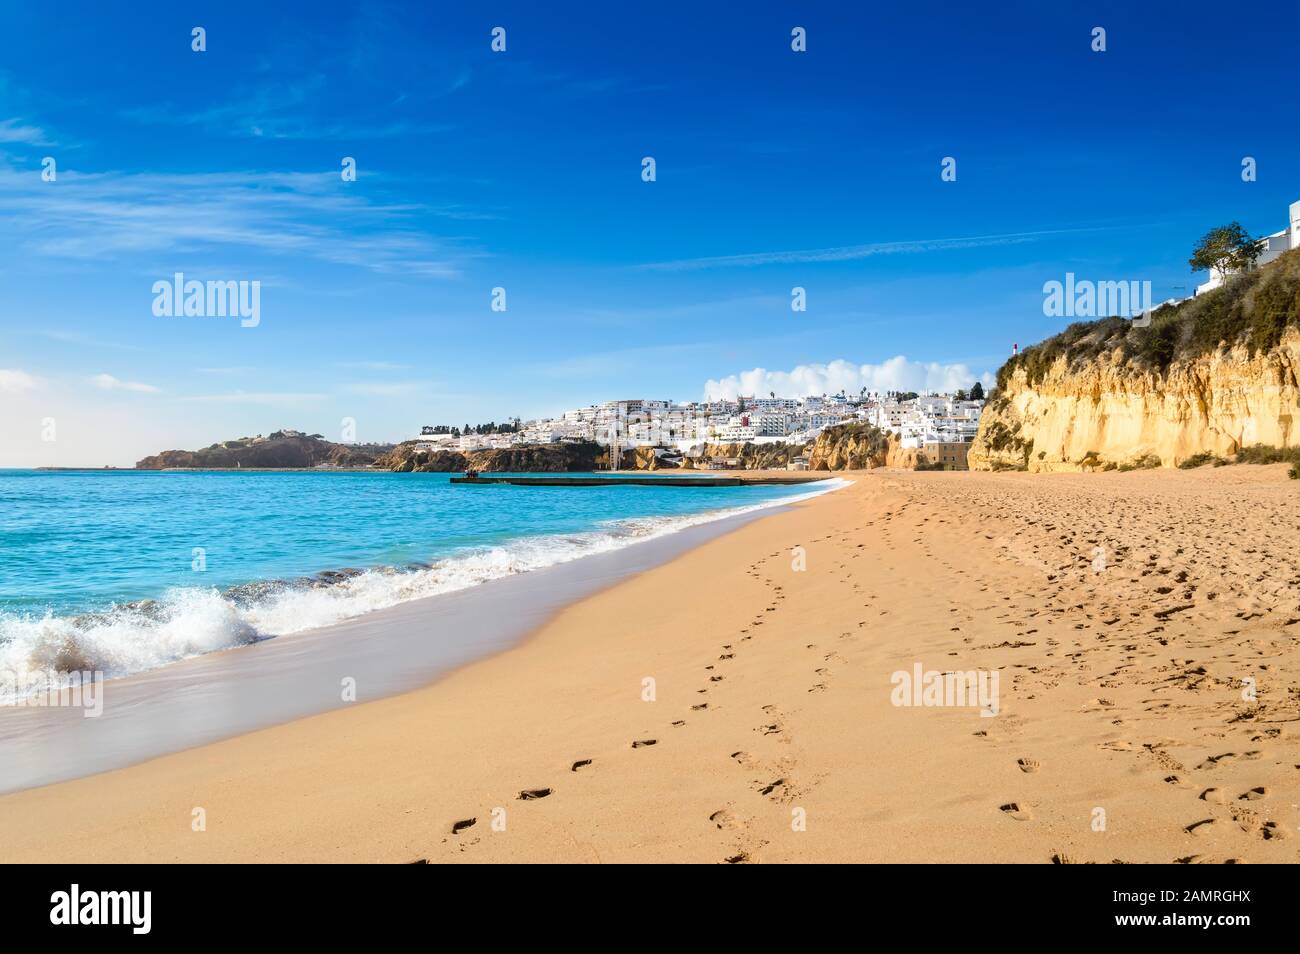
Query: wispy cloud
(846, 253)
(276, 113)
(88, 341)
(17, 131)
(107, 382)
(106, 215)
(15, 381)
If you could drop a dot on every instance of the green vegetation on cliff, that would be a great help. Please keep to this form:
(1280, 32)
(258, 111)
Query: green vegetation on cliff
(278, 451)
(1252, 309)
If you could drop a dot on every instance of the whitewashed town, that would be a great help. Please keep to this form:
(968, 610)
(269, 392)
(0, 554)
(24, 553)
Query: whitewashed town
(940, 425)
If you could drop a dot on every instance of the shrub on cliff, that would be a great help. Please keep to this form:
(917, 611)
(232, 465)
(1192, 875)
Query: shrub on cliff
(1252, 309)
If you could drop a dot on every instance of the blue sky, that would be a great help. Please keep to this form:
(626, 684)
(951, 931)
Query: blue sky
(522, 170)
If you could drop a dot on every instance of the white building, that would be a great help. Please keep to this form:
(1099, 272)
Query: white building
(734, 432)
(1271, 246)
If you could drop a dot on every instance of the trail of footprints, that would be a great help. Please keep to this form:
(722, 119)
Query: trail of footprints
(1155, 590)
(1063, 550)
(779, 788)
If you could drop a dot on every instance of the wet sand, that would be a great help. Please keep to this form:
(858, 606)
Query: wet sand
(227, 693)
(1143, 627)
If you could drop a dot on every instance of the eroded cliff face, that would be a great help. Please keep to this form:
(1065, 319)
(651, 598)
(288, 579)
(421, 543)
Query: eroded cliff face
(750, 456)
(860, 447)
(1106, 413)
(523, 458)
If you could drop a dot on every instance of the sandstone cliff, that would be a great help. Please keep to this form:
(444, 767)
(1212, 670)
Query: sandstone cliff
(750, 456)
(521, 458)
(860, 447)
(1212, 375)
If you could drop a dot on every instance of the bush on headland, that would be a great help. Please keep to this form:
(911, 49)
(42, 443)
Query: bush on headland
(1252, 309)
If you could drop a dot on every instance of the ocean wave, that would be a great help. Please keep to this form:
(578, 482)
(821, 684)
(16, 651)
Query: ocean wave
(191, 621)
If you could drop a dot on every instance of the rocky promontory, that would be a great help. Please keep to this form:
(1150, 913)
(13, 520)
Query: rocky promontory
(282, 450)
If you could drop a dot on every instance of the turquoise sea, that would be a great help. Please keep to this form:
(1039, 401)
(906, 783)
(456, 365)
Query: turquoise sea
(127, 571)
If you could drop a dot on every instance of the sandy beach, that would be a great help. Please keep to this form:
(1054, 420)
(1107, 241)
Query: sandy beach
(737, 703)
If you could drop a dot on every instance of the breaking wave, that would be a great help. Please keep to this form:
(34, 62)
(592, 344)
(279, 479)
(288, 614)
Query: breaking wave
(133, 637)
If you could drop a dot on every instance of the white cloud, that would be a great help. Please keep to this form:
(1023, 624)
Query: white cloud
(14, 381)
(109, 383)
(896, 374)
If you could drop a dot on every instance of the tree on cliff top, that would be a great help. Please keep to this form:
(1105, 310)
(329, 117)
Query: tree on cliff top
(1229, 248)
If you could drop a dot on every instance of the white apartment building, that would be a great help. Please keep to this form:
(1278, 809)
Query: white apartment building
(788, 405)
(770, 423)
(888, 416)
(733, 432)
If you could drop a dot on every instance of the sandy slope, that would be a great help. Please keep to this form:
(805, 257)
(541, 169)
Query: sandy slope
(1121, 691)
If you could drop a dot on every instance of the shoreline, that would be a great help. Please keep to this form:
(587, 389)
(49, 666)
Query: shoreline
(772, 704)
(273, 680)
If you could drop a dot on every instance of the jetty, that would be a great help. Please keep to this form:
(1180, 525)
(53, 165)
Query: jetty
(633, 481)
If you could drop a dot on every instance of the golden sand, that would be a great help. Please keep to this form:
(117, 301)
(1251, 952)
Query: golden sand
(1127, 616)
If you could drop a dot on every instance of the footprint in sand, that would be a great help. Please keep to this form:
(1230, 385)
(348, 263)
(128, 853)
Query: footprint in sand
(778, 790)
(724, 819)
(1199, 827)
(642, 743)
(1214, 760)
(460, 826)
(1027, 765)
(1259, 791)
(532, 794)
(1271, 830)
(1016, 811)
(581, 763)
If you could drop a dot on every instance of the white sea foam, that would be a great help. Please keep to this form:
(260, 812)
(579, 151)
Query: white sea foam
(190, 621)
